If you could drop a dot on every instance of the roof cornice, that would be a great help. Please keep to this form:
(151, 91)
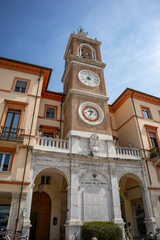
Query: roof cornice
(136, 95)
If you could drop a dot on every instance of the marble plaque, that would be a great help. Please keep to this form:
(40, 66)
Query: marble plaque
(95, 204)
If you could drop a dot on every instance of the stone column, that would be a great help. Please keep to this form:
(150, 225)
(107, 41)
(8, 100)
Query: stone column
(27, 211)
(63, 214)
(13, 211)
(117, 217)
(73, 221)
(27, 208)
(149, 217)
(155, 201)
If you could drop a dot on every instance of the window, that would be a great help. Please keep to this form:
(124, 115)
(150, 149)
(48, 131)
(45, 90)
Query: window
(45, 180)
(4, 161)
(11, 121)
(48, 132)
(152, 135)
(50, 112)
(48, 136)
(153, 139)
(10, 130)
(146, 113)
(4, 215)
(20, 86)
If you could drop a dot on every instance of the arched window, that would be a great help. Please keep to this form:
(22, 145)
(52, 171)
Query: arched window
(86, 51)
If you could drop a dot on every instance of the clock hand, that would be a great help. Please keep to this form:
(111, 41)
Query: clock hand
(89, 77)
(91, 112)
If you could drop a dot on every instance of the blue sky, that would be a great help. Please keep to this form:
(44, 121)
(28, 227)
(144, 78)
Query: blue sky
(37, 32)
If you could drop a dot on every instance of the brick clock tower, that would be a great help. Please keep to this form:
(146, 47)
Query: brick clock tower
(85, 108)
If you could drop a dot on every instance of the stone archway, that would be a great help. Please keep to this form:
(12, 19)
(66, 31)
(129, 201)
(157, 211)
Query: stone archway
(132, 206)
(52, 182)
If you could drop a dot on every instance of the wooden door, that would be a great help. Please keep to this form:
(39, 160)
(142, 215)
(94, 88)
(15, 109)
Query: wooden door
(40, 216)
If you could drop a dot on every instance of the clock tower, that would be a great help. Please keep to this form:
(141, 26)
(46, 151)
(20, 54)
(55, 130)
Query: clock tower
(85, 108)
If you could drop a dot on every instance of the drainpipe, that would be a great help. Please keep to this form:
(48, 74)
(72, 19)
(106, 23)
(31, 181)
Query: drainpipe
(26, 157)
(141, 140)
(61, 119)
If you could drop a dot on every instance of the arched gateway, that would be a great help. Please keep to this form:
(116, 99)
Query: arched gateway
(48, 204)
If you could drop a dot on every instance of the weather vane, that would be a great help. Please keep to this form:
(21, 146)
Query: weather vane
(81, 30)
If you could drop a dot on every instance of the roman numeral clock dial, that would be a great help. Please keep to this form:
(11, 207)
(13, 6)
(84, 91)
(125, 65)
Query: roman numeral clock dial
(88, 78)
(91, 113)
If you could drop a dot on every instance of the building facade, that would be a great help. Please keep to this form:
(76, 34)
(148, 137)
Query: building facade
(135, 120)
(67, 158)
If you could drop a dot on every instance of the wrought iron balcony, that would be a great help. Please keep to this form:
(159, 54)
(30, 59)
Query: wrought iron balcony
(11, 134)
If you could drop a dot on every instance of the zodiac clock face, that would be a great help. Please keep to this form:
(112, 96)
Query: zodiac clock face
(91, 113)
(88, 78)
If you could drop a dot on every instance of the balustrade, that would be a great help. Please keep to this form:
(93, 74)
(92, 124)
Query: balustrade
(126, 151)
(51, 143)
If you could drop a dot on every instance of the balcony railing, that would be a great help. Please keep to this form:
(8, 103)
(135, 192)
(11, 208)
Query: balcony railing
(127, 152)
(11, 134)
(51, 144)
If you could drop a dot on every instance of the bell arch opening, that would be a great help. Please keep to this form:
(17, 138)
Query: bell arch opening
(86, 51)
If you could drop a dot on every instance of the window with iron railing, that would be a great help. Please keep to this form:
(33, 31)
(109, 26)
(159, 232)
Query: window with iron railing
(10, 129)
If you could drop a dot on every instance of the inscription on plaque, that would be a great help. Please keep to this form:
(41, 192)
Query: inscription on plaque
(96, 200)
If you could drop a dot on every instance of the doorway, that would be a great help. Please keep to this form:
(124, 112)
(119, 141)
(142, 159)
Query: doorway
(40, 216)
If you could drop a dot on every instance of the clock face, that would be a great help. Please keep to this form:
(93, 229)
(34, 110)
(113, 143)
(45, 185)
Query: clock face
(88, 78)
(91, 113)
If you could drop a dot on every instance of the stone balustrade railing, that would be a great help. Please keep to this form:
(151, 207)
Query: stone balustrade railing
(60, 145)
(126, 152)
(51, 144)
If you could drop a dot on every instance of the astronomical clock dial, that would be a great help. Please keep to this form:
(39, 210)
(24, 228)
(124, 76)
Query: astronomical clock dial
(88, 78)
(91, 113)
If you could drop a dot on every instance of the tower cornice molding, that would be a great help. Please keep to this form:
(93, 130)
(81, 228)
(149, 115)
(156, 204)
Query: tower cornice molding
(88, 94)
(81, 61)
